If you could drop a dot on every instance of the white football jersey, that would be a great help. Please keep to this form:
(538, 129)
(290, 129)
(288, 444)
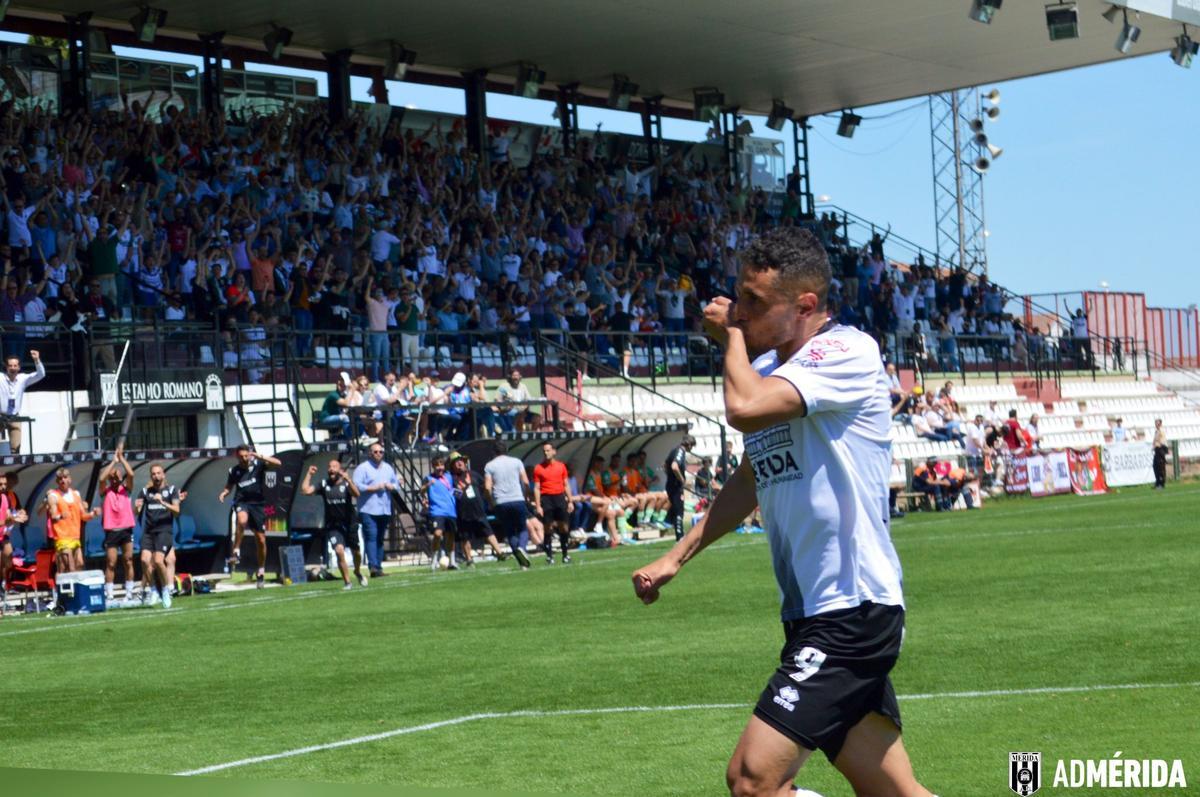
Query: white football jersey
(822, 480)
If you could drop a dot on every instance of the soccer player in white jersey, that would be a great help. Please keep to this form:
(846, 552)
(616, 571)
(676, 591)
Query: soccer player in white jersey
(811, 398)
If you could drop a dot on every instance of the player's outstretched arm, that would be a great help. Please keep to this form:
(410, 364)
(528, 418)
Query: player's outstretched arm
(732, 505)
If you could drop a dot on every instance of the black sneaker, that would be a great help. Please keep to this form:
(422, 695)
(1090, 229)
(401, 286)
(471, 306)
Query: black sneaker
(566, 559)
(549, 558)
(500, 557)
(522, 558)
(260, 581)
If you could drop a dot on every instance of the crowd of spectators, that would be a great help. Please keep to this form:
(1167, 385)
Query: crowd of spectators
(293, 222)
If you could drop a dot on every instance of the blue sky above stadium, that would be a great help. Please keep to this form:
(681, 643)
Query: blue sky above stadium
(1097, 182)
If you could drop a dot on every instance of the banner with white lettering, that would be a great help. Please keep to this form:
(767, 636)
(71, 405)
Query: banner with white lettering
(199, 388)
(1126, 464)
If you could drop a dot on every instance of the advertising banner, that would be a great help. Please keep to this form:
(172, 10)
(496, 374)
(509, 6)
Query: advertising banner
(1087, 478)
(1127, 464)
(1049, 473)
(1017, 480)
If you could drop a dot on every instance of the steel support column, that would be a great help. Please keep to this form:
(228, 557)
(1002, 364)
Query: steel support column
(212, 78)
(568, 116)
(475, 89)
(652, 127)
(79, 52)
(803, 170)
(732, 144)
(338, 69)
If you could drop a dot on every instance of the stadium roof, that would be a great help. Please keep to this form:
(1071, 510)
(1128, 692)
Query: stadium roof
(816, 55)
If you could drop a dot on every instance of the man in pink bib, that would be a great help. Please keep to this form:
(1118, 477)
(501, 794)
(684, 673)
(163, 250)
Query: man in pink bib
(116, 482)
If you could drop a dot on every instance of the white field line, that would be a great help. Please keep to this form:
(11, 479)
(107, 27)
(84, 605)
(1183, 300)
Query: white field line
(498, 715)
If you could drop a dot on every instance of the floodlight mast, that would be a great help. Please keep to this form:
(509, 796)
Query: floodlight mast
(958, 207)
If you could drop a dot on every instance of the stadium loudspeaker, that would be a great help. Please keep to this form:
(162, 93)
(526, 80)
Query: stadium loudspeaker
(707, 104)
(622, 92)
(848, 124)
(993, 96)
(1112, 13)
(276, 40)
(1062, 21)
(981, 139)
(529, 80)
(1184, 50)
(399, 60)
(984, 10)
(1128, 35)
(992, 113)
(744, 128)
(146, 23)
(976, 125)
(994, 151)
(981, 164)
(780, 114)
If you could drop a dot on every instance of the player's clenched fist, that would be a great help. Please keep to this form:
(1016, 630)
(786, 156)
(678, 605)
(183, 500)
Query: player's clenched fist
(718, 318)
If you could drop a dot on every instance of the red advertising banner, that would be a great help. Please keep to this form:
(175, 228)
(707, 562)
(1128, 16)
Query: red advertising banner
(1087, 477)
(1017, 480)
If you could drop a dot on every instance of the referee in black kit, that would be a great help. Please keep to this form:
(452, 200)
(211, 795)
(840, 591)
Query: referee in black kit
(676, 466)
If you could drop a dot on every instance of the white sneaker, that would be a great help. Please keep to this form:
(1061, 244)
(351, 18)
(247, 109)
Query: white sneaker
(150, 598)
(166, 599)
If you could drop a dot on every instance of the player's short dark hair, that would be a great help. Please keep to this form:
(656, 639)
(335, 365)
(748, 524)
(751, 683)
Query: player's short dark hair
(797, 255)
(1012, 413)
(437, 460)
(500, 447)
(241, 448)
(688, 440)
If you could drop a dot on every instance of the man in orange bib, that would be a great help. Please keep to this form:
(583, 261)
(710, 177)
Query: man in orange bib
(67, 513)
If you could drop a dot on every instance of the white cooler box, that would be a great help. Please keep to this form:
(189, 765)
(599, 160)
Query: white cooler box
(81, 592)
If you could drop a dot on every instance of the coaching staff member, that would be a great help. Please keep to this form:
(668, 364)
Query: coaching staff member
(551, 501)
(811, 398)
(676, 467)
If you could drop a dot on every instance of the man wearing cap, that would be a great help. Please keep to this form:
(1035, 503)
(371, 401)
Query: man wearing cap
(676, 466)
(458, 393)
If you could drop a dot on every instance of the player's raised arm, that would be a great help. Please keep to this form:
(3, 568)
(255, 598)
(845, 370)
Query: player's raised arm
(730, 507)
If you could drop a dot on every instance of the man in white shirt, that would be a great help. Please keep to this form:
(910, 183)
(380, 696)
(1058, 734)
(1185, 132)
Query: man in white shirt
(12, 393)
(905, 309)
(811, 398)
(975, 443)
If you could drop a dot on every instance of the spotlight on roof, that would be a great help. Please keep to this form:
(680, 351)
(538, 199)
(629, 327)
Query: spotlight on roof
(984, 10)
(707, 103)
(1062, 21)
(1111, 14)
(1128, 35)
(848, 124)
(529, 80)
(1184, 50)
(780, 113)
(146, 23)
(276, 40)
(399, 60)
(622, 92)
(744, 128)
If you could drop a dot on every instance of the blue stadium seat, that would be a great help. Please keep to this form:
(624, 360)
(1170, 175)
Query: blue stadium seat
(185, 535)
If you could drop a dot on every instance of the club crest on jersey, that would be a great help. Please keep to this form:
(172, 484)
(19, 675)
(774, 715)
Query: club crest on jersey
(1025, 773)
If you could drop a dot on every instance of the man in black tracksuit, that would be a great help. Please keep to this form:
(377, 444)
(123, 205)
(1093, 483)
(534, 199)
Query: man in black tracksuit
(676, 467)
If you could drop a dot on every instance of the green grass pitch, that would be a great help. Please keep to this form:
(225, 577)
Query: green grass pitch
(1027, 594)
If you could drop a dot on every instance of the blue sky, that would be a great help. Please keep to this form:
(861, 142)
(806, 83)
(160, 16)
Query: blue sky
(1098, 180)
